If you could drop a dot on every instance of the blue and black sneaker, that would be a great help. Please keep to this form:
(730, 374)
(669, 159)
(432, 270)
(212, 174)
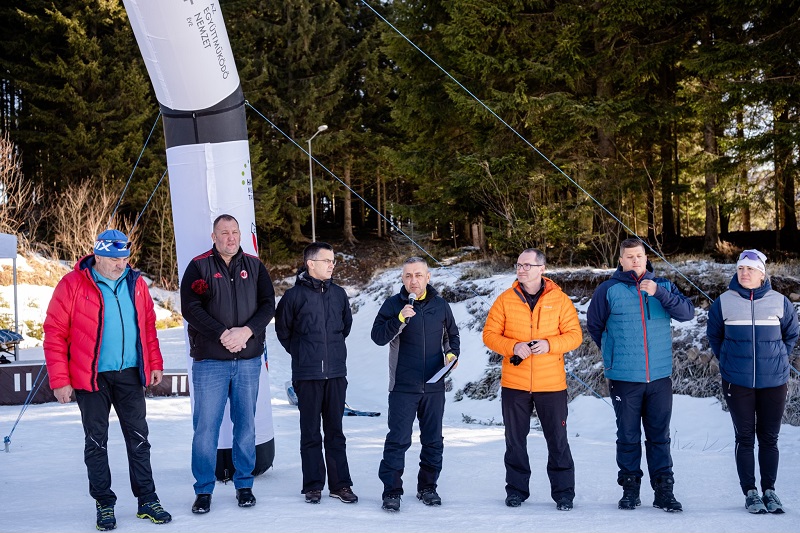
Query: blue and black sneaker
(106, 521)
(154, 512)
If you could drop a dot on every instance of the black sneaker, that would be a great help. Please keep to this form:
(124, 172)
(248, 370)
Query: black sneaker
(106, 521)
(513, 500)
(564, 504)
(202, 504)
(664, 498)
(630, 493)
(428, 496)
(245, 497)
(345, 494)
(391, 503)
(313, 496)
(154, 512)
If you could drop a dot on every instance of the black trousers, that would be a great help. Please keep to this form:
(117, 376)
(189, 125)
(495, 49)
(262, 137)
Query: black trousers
(756, 414)
(322, 399)
(551, 408)
(404, 407)
(124, 391)
(647, 405)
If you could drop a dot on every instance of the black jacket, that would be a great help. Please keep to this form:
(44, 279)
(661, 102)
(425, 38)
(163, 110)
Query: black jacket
(417, 346)
(312, 321)
(216, 297)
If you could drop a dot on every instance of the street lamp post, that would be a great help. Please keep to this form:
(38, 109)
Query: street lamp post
(311, 181)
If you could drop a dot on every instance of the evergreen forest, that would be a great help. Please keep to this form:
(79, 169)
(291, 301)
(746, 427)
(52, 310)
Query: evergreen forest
(679, 118)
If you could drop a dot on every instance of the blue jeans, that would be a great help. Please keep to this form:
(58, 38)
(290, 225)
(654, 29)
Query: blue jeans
(215, 382)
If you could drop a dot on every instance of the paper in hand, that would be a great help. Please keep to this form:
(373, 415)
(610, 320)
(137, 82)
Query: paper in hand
(441, 373)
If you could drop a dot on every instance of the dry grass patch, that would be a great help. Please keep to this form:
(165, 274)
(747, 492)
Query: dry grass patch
(39, 272)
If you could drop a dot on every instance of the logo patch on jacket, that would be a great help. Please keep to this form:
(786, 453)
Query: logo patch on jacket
(243, 273)
(217, 275)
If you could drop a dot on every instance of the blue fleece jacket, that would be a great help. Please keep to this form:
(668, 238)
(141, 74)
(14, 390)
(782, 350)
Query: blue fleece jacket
(119, 346)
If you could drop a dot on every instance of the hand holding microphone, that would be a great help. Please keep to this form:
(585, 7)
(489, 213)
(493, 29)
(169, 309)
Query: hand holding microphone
(408, 310)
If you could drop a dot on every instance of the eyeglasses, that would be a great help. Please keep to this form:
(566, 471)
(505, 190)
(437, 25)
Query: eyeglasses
(326, 261)
(107, 245)
(747, 254)
(525, 266)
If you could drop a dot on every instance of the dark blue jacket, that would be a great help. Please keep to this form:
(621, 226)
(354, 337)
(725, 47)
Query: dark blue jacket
(633, 328)
(752, 332)
(312, 320)
(417, 347)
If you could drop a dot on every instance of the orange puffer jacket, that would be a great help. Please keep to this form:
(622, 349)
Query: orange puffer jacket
(554, 319)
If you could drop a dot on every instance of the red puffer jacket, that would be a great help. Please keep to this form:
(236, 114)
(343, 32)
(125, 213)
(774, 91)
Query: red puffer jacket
(74, 326)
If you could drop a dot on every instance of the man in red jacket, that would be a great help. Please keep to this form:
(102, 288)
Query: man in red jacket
(100, 343)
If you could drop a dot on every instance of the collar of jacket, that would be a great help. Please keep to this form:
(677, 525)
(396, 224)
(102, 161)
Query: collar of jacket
(547, 283)
(630, 278)
(235, 259)
(317, 285)
(745, 293)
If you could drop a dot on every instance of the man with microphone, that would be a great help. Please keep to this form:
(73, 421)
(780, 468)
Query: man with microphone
(423, 338)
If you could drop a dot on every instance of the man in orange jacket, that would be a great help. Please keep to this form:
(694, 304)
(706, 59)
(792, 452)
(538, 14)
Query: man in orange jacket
(532, 325)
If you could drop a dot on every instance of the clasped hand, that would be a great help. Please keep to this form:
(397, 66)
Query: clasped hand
(526, 349)
(235, 339)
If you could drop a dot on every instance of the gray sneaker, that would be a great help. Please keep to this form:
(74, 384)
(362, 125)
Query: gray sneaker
(753, 503)
(771, 502)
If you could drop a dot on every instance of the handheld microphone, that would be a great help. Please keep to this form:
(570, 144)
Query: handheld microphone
(412, 297)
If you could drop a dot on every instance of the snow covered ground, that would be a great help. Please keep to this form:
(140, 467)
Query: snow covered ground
(43, 485)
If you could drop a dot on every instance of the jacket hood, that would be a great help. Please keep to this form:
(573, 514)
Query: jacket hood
(745, 293)
(629, 277)
(303, 278)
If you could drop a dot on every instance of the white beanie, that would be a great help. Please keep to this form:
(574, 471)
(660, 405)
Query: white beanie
(753, 259)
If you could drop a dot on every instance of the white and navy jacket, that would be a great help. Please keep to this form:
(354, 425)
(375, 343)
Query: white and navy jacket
(752, 332)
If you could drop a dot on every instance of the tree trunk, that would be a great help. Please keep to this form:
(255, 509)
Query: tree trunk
(786, 213)
(378, 204)
(347, 224)
(711, 234)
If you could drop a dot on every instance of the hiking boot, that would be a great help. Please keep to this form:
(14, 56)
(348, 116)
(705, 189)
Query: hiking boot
(245, 498)
(313, 496)
(513, 500)
(391, 503)
(771, 502)
(345, 494)
(428, 496)
(564, 504)
(753, 503)
(106, 521)
(154, 512)
(664, 498)
(202, 504)
(630, 493)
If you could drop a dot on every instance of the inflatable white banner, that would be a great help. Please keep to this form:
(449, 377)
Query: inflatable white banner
(186, 50)
(188, 57)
